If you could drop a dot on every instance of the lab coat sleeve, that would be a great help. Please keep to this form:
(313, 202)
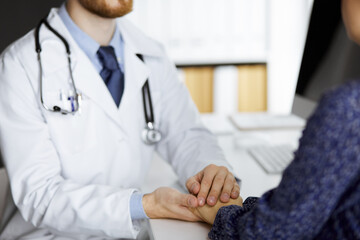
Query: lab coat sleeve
(39, 190)
(187, 144)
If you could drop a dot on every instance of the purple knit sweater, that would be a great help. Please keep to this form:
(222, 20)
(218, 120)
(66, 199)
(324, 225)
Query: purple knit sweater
(319, 194)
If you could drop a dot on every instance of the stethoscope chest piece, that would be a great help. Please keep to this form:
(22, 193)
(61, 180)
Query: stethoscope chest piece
(150, 135)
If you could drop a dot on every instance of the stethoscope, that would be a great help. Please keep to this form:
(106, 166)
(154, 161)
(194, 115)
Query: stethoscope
(150, 135)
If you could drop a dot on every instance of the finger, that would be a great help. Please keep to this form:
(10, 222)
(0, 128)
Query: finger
(167, 202)
(206, 182)
(235, 191)
(193, 183)
(216, 187)
(227, 188)
(184, 207)
(187, 200)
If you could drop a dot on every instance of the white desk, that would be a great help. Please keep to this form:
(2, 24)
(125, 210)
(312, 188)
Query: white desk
(254, 182)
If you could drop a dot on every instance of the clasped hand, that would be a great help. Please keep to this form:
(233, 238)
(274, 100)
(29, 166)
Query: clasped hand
(207, 186)
(211, 183)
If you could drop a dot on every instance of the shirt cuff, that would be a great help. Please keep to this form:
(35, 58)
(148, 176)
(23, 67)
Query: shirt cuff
(136, 208)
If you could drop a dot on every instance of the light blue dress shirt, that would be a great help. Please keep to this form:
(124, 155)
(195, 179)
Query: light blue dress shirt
(90, 47)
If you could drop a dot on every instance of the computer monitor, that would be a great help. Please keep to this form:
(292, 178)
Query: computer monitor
(329, 57)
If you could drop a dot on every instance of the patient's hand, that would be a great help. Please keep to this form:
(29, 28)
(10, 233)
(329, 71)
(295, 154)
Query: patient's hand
(208, 213)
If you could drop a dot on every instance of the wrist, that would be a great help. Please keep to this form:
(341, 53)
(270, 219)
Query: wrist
(149, 205)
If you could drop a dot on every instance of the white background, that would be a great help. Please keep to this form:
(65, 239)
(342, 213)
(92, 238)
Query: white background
(232, 31)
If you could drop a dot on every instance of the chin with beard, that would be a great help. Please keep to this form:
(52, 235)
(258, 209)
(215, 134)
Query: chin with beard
(108, 8)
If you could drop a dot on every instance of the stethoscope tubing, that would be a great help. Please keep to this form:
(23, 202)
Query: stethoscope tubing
(147, 102)
(149, 118)
(38, 49)
(150, 134)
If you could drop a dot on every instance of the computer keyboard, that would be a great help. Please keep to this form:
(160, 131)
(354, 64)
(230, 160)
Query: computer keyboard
(273, 159)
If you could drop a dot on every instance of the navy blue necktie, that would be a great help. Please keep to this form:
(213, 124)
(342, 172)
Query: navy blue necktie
(111, 72)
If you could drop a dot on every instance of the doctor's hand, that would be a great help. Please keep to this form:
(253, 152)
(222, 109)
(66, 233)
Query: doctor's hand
(212, 183)
(167, 202)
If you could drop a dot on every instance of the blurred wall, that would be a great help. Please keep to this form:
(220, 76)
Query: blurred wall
(17, 17)
(204, 32)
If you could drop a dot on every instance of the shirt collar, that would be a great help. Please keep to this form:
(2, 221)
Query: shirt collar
(89, 45)
(117, 43)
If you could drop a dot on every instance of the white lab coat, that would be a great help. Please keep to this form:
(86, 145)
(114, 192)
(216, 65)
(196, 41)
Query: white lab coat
(74, 175)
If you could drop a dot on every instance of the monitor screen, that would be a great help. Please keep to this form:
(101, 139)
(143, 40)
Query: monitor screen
(329, 57)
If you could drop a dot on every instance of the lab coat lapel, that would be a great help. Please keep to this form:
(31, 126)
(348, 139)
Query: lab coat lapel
(91, 85)
(136, 73)
(88, 81)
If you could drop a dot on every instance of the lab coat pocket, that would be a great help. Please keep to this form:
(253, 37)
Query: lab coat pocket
(72, 133)
(58, 90)
(60, 99)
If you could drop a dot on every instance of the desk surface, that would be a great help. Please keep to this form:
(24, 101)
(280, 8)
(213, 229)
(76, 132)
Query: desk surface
(254, 180)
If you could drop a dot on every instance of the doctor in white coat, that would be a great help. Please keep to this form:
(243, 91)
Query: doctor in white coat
(77, 176)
